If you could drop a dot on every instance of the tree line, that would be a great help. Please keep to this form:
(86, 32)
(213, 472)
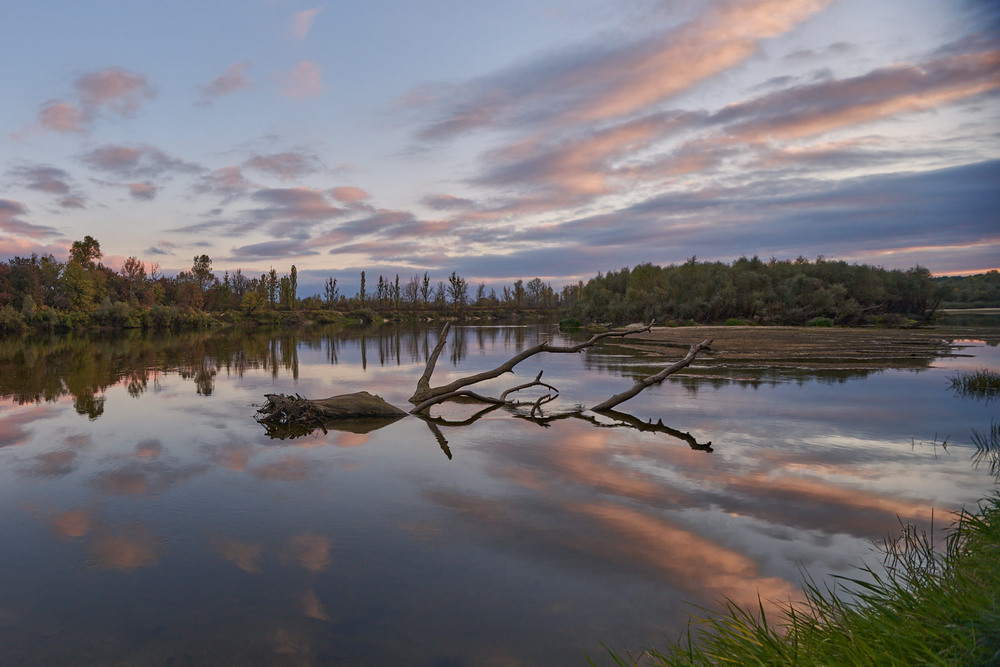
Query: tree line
(41, 292)
(763, 292)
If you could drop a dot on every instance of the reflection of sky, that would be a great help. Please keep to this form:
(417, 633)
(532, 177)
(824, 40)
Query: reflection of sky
(175, 510)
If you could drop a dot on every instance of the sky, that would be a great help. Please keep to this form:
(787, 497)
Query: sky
(541, 138)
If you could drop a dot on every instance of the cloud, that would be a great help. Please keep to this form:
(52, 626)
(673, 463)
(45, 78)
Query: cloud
(286, 166)
(227, 182)
(44, 179)
(135, 161)
(349, 195)
(304, 80)
(10, 223)
(270, 250)
(444, 202)
(808, 110)
(302, 22)
(295, 204)
(233, 80)
(600, 81)
(61, 116)
(114, 88)
(144, 191)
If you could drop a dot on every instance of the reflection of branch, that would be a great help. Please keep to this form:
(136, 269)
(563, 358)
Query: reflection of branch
(439, 436)
(434, 424)
(631, 421)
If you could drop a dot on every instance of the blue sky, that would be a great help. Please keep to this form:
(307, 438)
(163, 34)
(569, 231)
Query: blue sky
(551, 138)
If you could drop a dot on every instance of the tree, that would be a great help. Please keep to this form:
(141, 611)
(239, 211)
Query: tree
(201, 271)
(458, 289)
(86, 252)
(425, 288)
(272, 287)
(361, 292)
(133, 277)
(293, 279)
(330, 292)
(411, 291)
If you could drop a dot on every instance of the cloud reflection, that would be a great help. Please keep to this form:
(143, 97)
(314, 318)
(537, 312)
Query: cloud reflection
(312, 552)
(243, 555)
(127, 550)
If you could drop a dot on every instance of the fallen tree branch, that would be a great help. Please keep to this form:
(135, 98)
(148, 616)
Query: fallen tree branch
(653, 379)
(282, 409)
(424, 391)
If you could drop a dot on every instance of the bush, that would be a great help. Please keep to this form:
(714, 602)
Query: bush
(11, 320)
(734, 322)
(820, 322)
(569, 324)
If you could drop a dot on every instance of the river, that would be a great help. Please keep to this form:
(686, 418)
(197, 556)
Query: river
(148, 519)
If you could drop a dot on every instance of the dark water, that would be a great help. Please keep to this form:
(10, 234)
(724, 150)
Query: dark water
(147, 519)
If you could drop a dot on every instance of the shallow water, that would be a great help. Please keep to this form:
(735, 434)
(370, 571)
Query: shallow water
(148, 519)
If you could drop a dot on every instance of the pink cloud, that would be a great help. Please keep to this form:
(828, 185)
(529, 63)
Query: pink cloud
(226, 181)
(302, 22)
(295, 204)
(304, 80)
(603, 82)
(60, 116)
(286, 166)
(810, 110)
(234, 79)
(114, 88)
(349, 195)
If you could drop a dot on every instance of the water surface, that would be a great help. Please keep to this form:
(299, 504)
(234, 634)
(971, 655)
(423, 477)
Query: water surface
(149, 520)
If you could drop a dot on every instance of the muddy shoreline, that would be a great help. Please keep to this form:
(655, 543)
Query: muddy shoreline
(809, 349)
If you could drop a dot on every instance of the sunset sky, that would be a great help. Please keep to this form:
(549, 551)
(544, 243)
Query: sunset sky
(548, 138)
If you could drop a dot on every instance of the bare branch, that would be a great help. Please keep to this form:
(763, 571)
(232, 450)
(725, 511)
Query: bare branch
(424, 391)
(653, 379)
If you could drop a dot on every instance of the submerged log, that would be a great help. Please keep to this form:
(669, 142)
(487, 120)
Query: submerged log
(282, 409)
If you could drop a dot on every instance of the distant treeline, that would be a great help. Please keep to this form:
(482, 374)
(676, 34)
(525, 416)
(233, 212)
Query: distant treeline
(43, 293)
(754, 291)
(979, 291)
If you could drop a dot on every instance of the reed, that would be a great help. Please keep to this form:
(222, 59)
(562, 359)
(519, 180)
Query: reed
(921, 606)
(982, 383)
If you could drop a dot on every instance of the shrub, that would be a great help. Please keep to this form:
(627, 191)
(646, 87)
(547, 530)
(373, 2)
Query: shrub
(820, 322)
(11, 321)
(569, 324)
(734, 322)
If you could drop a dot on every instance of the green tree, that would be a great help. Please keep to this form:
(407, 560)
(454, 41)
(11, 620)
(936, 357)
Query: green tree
(86, 252)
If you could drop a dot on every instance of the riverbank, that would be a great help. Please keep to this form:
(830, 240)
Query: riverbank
(737, 349)
(923, 608)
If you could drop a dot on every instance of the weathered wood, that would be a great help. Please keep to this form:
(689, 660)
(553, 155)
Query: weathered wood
(283, 409)
(653, 379)
(424, 391)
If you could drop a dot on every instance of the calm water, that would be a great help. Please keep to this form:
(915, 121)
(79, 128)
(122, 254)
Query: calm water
(148, 519)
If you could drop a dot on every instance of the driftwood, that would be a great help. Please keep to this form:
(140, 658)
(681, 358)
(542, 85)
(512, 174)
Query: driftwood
(302, 413)
(425, 392)
(283, 409)
(653, 379)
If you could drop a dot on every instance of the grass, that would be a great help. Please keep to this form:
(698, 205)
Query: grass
(982, 383)
(922, 606)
